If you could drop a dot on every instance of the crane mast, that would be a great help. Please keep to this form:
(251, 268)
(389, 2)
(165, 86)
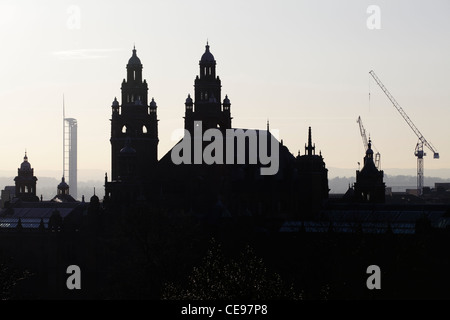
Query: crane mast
(419, 152)
(365, 142)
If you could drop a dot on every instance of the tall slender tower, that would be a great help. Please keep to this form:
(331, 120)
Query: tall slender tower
(134, 125)
(70, 127)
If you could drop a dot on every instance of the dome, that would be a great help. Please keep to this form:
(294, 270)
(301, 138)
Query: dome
(63, 185)
(226, 100)
(188, 100)
(25, 166)
(153, 104)
(207, 56)
(115, 103)
(94, 199)
(134, 60)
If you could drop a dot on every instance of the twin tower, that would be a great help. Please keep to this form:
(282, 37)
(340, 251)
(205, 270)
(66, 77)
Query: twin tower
(134, 122)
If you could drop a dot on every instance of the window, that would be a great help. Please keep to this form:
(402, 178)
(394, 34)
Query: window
(124, 129)
(210, 72)
(134, 74)
(144, 129)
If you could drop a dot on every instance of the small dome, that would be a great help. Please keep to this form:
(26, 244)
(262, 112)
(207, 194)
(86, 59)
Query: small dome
(189, 99)
(226, 100)
(134, 60)
(25, 166)
(207, 56)
(63, 185)
(115, 103)
(153, 104)
(94, 199)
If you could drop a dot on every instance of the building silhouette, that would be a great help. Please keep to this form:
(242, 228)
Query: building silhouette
(204, 189)
(134, 136)
(208, 96)
(157, 215)
(369, 185)
(26, 182)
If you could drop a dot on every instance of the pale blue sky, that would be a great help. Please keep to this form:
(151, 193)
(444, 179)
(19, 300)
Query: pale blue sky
(297, 63)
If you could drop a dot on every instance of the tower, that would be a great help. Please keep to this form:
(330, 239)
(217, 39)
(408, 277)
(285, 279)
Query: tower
(70, 153)
(313, 178)
(26, 182)
(369, 185)
(207, 106)
(134, 123)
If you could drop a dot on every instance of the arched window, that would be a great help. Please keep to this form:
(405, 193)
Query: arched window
(132, 98)
(144, 129)
(134, 74)
(124, 129)
(210, 70)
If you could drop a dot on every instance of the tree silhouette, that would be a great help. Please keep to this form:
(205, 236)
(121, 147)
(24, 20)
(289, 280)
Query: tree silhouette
(220, 279)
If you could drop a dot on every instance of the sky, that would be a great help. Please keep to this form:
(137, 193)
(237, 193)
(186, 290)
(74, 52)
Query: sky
(296, 63)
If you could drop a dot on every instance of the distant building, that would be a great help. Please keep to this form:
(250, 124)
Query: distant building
(7, 195)
(26, 182)
(70, 154)
(369, 185)
(22, 209)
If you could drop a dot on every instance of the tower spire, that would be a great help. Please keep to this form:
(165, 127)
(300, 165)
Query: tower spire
(310, 149)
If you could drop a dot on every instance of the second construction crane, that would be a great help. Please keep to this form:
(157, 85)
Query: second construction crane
(419, 153)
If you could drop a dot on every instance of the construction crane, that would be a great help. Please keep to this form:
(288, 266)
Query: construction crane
(419, 152)
(366, 144)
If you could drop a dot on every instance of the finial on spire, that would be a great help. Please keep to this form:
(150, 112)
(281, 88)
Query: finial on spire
(94, 191)
(268, 125)
(309, 137)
